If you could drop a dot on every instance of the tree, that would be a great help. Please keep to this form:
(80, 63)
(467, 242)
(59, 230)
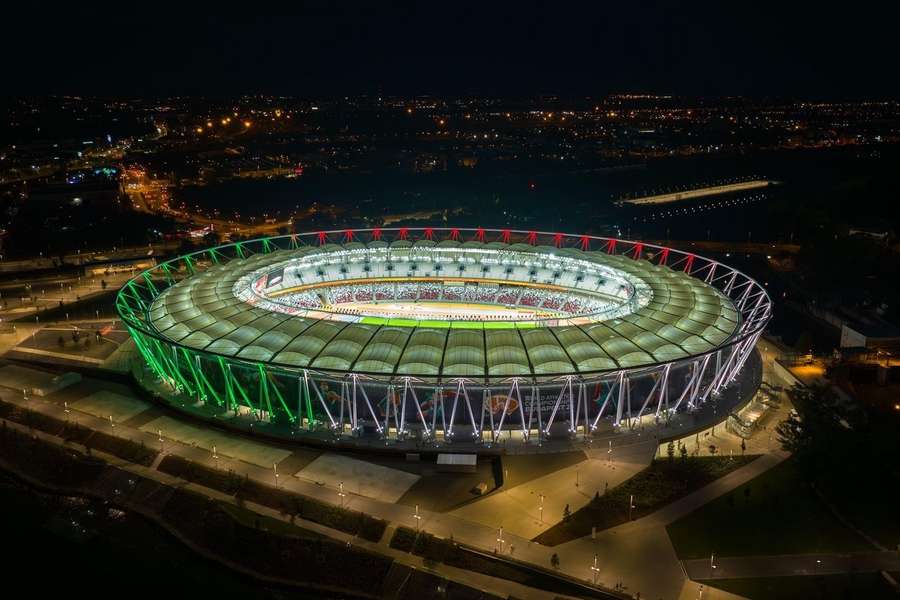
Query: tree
(670, 451)
(821, 428)
(61, 342)
(743, 446)
(554, 560)
(566, 512)
(684, 452)
(103, 284)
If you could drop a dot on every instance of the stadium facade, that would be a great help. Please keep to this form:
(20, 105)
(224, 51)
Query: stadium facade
(443, 334)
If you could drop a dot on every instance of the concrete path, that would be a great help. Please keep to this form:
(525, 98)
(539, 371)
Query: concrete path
(626, 551)
(637, 554)
(518, 508)
(485, 583)
(363, 478)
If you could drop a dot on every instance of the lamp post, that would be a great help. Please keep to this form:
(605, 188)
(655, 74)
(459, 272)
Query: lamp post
(595, 568)
(541, 508)
(341, 493)
(162, 442)
(417, 517)
(216, 457)
(630, 506)
(275, 470)
(500, 538)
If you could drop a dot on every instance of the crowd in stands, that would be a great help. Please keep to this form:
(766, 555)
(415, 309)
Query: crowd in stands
(438, 292)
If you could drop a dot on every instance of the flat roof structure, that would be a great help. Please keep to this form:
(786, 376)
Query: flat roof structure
(677, 316)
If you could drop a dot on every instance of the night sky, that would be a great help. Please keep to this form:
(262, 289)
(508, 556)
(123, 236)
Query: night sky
(815, 51)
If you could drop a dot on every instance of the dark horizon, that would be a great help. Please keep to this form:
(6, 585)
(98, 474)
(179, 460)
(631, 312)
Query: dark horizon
(404, 50)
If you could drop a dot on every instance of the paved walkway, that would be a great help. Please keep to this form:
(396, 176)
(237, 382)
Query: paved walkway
(623, 552)
(484, 583)
(637, 554)
(629, 548)
(518, 508)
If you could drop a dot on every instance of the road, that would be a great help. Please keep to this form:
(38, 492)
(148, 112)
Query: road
(141, 204)
(20, 304)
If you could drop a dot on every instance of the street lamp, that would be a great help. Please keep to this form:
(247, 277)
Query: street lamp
(216, 457)
(161, 441)
(541, 508)
(275, 470)
(341, 493)
(596, 569)
(500, 538)
(417, 517)
(630, 506)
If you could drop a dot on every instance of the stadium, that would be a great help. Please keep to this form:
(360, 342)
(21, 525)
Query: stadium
(442, 335)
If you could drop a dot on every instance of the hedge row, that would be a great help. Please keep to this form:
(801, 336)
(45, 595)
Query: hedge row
(320, 560)
(306, 559)
(447, 551)
(46, 462)
(286, 502)
(135, 452)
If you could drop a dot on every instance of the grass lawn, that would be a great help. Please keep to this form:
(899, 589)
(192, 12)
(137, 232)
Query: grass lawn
(869, 503)
(656, 486)
(870, 586)
(776, 513)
